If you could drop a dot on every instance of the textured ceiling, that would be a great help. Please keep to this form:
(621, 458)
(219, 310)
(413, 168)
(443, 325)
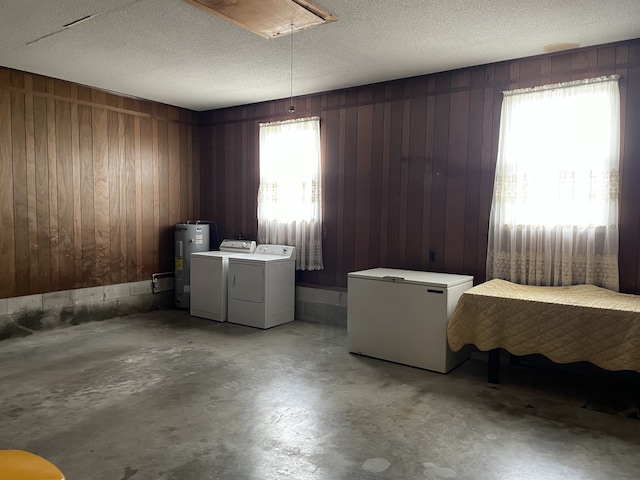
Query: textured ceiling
(172, 52)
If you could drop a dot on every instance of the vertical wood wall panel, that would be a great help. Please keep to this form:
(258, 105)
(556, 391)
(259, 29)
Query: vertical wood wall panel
(76, 186)
(131, 200)
(102, 208)
(340, 200)
(329, 124)
(376, 183)
(363, 186)
(87, 194)
(384, 184)
(7, 224)
(349, 174)
(85, 179)
(173, 152)
(425, 221)
(31, 184)
(53, 186)
(148, 240)
(473, 177)
(438, 190)
(629, 185)
(20, 208)
(416, 165)
(165, 230)
(395, 156)
(65, 195)
(403, 165)
(42, 195)
(456, 188)
(409, 165)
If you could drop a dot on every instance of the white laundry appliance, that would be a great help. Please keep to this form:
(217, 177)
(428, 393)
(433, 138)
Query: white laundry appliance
(209, 278)
(262, 287)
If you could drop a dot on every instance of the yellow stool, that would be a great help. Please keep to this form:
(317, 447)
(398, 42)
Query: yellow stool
(21, 465)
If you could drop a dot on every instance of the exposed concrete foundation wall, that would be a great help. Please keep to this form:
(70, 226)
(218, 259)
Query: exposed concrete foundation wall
(322, 306)
(20, 316)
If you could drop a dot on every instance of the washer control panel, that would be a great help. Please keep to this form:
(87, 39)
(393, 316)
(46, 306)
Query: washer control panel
(284, 251)
(238, 246)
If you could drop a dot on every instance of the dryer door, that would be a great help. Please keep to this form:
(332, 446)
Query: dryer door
(246, 281)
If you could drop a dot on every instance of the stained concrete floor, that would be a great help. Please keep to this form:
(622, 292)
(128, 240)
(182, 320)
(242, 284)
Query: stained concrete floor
(166, 396)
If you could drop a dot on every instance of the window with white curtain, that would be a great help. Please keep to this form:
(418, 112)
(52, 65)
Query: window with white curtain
(290, 193)
(554, 215)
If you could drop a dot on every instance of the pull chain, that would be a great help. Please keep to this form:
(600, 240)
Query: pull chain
(291, 108)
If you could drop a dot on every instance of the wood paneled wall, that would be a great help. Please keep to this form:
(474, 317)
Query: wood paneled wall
(91, 185)
(409, 164)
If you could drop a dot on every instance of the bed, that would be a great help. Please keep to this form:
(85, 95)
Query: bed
(566, 324)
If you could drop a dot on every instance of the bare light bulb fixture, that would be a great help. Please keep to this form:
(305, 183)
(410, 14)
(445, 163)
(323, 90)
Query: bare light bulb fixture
(292, 109)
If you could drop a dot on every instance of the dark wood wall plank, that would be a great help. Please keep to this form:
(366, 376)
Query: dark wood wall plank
(20, 200)
(403, 165)
(31, 185)
(7, 217)
(149, 236)
(81, 183)
(87, 194)
(363, 186)
(66, 226)
(629, 183)
(165, 230)
(409, 165)
(349, 176)
(53, 186)
(377, 146)
(76, 186)
(416, 164)
(131, 205)
(456, 189)
(395, 157)
(101, 161)
(329, 128)
(42, 194)
(439, 183)
(472, 224)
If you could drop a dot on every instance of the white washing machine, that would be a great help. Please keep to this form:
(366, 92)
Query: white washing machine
(209, 278)
(262, 287)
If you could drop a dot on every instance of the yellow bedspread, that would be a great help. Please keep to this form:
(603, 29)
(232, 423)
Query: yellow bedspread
(566, 324)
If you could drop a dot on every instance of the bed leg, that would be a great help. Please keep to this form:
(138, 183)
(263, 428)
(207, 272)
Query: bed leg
(493, 370)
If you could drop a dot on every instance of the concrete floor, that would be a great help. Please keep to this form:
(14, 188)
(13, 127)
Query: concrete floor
(167, 396)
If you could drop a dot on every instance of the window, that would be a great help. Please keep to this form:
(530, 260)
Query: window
(290, 193)
(554, 216)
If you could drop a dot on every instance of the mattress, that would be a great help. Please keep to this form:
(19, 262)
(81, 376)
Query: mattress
(566, 324)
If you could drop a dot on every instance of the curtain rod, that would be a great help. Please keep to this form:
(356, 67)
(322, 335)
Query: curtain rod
(294, 120)
(554, 86)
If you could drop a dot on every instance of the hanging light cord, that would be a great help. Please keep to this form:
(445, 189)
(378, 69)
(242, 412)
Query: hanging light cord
(291, 108)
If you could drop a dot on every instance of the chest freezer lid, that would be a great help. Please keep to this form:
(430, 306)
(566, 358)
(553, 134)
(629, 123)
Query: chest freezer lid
(443, 280)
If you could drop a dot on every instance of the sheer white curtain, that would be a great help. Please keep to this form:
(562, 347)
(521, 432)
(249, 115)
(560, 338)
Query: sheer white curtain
(290, 194)
(554, 216)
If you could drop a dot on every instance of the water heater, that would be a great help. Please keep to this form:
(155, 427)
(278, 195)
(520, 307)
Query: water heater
(189, 238)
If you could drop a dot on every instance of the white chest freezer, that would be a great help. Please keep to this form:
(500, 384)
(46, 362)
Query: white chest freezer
(402, 315)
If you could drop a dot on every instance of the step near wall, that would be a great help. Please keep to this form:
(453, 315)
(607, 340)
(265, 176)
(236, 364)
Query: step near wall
(322, 306)
(20, 316)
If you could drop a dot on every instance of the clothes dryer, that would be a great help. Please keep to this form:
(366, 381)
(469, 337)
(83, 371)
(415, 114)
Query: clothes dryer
(262, 287)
